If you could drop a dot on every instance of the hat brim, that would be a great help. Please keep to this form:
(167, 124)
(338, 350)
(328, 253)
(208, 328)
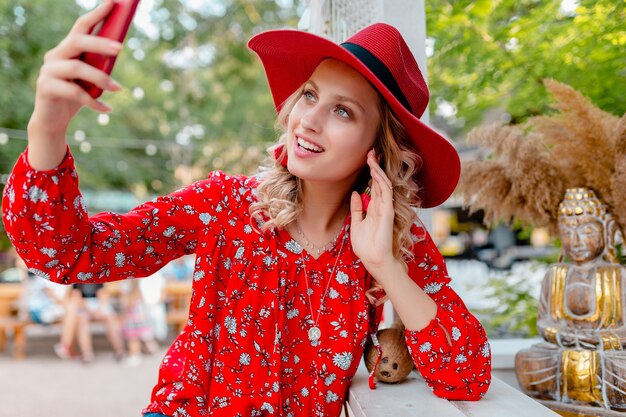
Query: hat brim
(290, 57)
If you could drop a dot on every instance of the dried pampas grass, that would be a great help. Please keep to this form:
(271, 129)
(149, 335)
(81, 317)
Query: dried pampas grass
(531, 165)
(518, 182)
(618, 179)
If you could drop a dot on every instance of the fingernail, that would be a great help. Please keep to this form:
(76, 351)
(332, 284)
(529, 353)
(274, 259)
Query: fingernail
(104, 107)
(114, 45)
(114, 85)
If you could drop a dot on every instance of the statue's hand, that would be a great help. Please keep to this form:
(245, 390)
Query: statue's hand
(583, 338)
(566, 338)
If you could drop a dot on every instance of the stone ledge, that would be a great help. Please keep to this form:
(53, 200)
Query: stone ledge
(413, 397)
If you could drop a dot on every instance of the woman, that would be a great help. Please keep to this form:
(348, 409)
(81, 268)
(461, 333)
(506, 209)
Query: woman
(279, 313)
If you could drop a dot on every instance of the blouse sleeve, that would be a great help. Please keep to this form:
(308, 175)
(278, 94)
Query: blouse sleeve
(46, 220)
(452, 353)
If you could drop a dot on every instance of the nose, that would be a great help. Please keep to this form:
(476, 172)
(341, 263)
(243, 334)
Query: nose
(312, 119)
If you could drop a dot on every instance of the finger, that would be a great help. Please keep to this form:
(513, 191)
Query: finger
(385, 191)
(374, 163)
(375, 188)
(375, 166)
(356, 208)
(75, 45)
(86, 22)
(376, 196)
(366, 197)
(68, 90)
(74, 69)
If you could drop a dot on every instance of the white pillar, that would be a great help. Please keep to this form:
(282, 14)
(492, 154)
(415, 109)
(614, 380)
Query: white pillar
(409, 17)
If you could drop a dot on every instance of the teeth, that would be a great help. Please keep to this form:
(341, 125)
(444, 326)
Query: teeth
(309, 146)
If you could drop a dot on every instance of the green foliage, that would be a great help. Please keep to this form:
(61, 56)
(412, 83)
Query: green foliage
(515, 311)
(197, 98)
(4, 241)
(524, 232)
(619, 252)
(194, 96)
(27, 30)
(490, 57)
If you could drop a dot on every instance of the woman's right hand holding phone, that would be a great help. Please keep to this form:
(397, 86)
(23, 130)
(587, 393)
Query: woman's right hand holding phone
(58, 98)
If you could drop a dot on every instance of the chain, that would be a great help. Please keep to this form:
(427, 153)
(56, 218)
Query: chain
(314, 248)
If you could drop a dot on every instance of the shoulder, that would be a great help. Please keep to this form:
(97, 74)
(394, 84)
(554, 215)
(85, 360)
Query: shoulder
(222, 183)
(218, 191)
(557, 268)
(237, 191)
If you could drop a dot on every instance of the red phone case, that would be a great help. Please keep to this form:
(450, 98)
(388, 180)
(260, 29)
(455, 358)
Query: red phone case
(115, 26)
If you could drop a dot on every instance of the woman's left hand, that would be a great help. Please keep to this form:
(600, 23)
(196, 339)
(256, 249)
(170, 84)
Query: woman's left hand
(372, 232)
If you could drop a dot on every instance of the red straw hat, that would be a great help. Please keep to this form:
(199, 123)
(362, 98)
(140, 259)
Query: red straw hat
(382, 56)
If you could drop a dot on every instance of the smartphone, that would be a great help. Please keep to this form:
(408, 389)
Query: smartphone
(114, 26)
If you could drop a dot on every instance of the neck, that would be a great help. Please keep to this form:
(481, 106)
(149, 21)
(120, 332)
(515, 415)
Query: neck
(324, 207)
(589, 264)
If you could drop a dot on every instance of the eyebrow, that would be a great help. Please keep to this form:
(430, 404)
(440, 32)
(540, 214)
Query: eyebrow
(339, 97)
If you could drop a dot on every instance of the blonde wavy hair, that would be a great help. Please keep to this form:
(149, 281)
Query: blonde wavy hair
(279, 192)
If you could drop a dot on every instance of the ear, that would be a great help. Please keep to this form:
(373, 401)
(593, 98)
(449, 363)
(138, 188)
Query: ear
(613, 237)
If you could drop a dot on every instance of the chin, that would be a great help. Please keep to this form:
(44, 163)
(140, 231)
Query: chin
(583, 258)
(299, 171)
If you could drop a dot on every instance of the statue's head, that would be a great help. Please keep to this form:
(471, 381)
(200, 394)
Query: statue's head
(586, 228)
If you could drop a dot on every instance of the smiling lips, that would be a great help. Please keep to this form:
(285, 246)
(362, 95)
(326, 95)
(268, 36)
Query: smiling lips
(308, 146)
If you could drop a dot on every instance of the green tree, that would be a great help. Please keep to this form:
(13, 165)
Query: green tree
(494, 54)
(194, 98)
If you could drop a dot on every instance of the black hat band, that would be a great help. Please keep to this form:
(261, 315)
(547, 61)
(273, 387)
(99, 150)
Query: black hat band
(379, 69)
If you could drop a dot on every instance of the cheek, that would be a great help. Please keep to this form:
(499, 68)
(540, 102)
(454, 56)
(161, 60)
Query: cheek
(358, 140)
(597, 243)
(357, 153)
(290, 122)
(294, 116)
(566, 242)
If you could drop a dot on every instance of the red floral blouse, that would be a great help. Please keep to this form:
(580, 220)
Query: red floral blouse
(245, 349)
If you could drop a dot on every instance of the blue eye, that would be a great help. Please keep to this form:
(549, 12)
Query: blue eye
(308, 94)
(342, 112)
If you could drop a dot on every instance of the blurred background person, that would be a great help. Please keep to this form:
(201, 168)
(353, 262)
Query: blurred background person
(87, 303)
(153, 292)
(43, 301)
(180, 269)
(135, 323)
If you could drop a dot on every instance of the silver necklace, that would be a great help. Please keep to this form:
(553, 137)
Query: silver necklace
(314, 248)
(314, 332)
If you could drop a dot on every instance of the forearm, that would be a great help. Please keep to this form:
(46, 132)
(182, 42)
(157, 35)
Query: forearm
(46, 146)
(448, 345)
(46, 220)
(415, 308)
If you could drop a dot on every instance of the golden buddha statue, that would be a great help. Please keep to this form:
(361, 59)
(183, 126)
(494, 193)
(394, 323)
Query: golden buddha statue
(581, 316)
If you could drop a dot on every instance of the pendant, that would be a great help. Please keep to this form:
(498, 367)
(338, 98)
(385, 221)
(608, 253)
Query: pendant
(314, 334)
